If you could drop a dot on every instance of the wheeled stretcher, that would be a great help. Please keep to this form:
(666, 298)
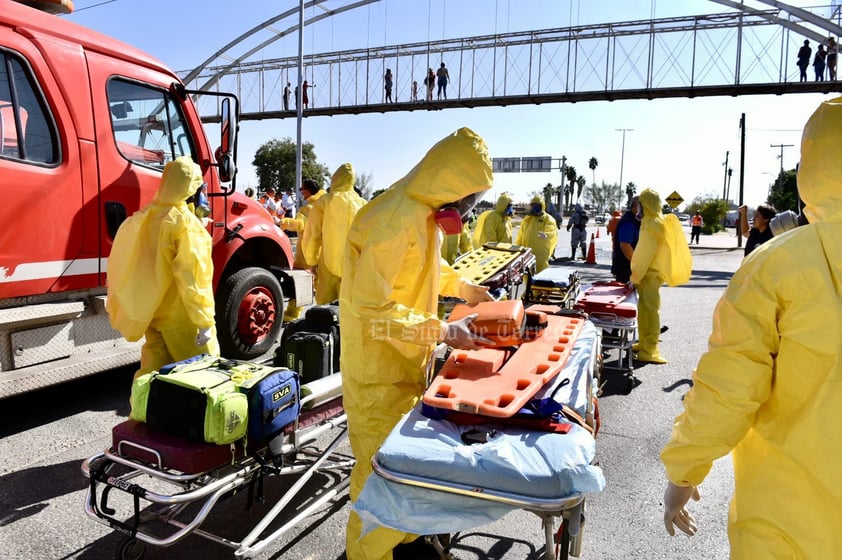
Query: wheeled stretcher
(554, 285)
(148, 479)
(612, 306)
(436, 476)
(502, 267)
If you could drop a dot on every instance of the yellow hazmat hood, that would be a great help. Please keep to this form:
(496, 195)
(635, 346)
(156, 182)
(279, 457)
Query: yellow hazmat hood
(343, 179)
(503, 202)
(820, 171)
(180, 180)
(458, 165)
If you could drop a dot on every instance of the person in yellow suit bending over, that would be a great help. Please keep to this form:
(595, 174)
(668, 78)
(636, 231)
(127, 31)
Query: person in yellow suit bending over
(392, 277)
(661, 255)
(768, 388)
(495, 225)
(539, 232)
(160, 274)
(326, 232)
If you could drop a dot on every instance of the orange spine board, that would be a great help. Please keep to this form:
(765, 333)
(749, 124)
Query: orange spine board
(478, 382)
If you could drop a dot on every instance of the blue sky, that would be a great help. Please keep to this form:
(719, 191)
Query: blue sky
(676, 144)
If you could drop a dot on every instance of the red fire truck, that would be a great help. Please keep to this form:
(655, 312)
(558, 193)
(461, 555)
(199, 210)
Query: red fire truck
(87, 124)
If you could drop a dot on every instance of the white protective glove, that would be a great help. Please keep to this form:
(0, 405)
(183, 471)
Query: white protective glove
(474, 293)
(675, 514)
(459, 335)
(203, 337)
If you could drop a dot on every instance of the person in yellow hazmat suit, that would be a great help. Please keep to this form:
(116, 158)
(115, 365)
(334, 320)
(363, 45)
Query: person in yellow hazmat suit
(767, 389)
(327, 230)
(495, 225)
(393, 275)
(310, 192)
(171, 302)
(661, 255)
(539, 232)
(458, 244)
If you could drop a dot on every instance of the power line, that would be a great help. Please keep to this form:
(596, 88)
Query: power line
(94, 5)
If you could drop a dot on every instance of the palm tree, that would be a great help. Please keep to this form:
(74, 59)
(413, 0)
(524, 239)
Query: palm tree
(580, 182)
(571, 176)
(592, 164)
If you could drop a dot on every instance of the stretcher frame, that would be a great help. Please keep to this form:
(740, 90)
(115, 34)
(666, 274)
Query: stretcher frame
(207, 488)
(618, 333)
(553, 296)
(562, 518)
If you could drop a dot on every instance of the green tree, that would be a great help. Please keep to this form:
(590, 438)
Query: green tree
(713, 210)
(592, 163)
(783, 194)
(603, 197)
(364, 183)
(275, 163)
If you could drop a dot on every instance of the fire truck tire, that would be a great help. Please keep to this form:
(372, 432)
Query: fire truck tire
(249, 313)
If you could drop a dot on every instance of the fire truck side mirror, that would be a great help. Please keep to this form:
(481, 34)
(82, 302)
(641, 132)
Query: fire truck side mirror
(228, 137)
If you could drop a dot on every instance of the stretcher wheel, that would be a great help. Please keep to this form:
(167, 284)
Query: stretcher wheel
(130, 549)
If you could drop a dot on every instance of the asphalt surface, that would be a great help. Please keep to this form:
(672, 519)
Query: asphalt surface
(44, 436)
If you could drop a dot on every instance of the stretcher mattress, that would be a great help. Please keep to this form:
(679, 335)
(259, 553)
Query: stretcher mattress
(532, 464)
(141, 442)
(557, 277)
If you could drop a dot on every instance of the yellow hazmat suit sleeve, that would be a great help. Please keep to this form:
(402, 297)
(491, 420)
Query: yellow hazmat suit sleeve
(768, 386)
(388, 302)
(168, 243)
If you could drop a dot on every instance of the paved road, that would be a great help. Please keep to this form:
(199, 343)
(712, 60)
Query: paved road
(45, 436)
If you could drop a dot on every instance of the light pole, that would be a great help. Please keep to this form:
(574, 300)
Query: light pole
(623, 151)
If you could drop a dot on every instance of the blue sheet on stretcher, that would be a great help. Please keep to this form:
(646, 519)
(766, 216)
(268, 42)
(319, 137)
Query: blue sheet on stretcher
(526, 463)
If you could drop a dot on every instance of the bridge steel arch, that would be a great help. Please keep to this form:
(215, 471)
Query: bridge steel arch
(735, 53)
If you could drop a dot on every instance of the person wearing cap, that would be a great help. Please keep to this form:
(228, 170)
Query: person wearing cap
(767, 389)
(760, 231)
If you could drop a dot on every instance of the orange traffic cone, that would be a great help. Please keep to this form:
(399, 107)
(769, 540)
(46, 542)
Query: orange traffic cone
(597, 233)
(591, 252)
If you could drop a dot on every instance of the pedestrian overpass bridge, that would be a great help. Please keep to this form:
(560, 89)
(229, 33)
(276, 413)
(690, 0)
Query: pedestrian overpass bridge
(744, 51)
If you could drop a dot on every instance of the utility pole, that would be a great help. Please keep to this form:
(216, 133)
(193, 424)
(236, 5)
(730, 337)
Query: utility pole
(559, 206)
(742, 173)
(781, 157)
(725, 176)
(623, 152)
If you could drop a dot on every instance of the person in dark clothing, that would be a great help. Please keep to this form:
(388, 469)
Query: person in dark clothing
(760, 232)
(818, 63)
(624, 242)
(804, 54)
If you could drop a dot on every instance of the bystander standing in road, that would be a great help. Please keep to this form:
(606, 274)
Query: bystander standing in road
(696, 223)
(759, 232)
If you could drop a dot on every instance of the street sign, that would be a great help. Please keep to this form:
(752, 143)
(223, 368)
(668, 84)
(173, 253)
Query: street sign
(540, 164)
(674, 200)
(505, 165)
